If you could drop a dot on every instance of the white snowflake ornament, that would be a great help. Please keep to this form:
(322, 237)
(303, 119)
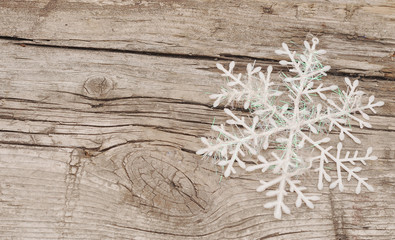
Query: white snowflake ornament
(291, 123)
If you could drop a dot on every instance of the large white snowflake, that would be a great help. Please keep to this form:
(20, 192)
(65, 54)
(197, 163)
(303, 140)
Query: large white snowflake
(287, 120)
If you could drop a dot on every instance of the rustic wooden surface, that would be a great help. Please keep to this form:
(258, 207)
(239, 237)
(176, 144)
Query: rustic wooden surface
(102, 103)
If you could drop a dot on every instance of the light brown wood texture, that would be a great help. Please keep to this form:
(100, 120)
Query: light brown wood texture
(103, 102)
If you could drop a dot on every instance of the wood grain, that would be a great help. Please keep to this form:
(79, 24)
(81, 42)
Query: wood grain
(360, 35)
(103, 102)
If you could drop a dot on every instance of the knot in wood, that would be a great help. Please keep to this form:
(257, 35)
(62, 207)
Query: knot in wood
(98, 86)
(158, 182)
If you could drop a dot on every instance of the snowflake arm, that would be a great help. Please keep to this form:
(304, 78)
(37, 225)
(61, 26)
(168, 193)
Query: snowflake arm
(253, 88)
(325, 154)
(234, 143)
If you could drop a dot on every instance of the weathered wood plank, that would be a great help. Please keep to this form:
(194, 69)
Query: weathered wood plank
(97, 136)
(100, 145)
(359, 35)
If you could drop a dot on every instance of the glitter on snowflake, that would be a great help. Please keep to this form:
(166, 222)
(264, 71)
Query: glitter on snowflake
(291, 123)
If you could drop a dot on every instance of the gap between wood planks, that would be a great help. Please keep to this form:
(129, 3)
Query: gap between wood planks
(24, 42)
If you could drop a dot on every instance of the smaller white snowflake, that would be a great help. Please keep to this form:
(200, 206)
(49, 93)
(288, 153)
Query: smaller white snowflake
(287, 121)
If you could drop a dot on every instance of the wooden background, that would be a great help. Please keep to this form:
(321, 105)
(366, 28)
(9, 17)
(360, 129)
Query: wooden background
(103, 102)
